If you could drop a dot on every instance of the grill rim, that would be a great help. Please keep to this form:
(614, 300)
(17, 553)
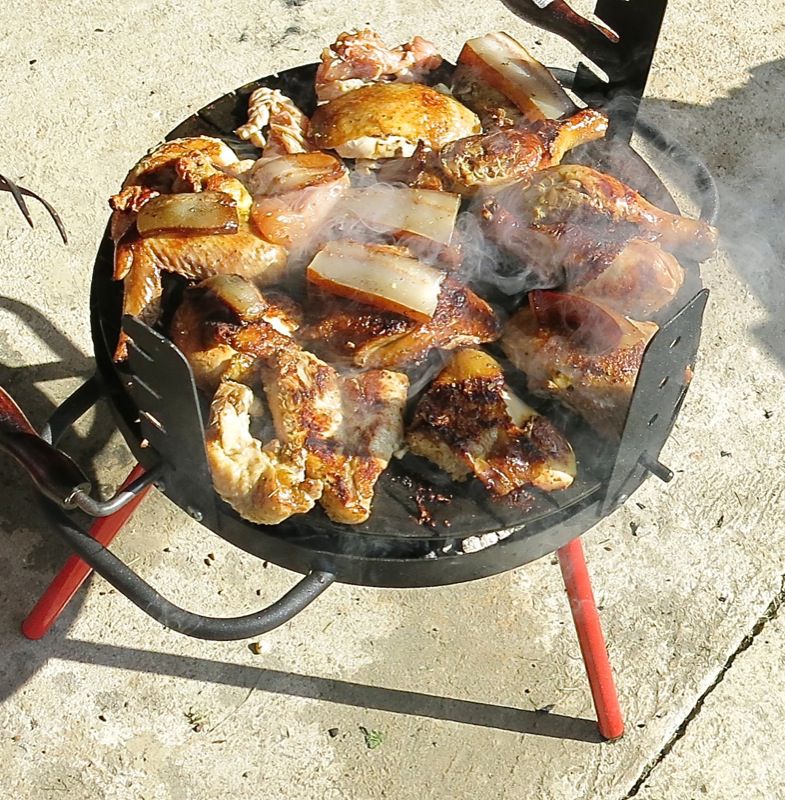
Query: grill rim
(526, 543)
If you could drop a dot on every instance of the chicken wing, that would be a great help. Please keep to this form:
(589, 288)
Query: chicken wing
(350, 464)
(142, 260)
(470, 422)
(334, 434)
(579, 353)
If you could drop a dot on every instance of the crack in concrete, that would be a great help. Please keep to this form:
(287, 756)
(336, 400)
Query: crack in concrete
(770, 613)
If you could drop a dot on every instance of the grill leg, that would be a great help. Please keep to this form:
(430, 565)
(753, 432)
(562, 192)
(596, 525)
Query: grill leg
(591, 639)
(75, 572)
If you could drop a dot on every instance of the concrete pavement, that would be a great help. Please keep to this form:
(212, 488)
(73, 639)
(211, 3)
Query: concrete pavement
(112, 706)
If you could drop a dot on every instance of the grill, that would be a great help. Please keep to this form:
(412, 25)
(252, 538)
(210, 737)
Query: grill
(161, 414)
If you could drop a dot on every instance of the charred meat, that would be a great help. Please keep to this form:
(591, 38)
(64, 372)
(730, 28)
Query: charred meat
(470, 422)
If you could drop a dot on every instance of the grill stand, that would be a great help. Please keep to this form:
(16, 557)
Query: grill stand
(572, 560)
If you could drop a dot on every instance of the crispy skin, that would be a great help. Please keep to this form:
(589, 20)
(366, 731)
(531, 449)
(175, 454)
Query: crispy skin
(464, 424)
(490, 105)
(497, 157)
(410, 111)
(632, 276)
(264, 484)
(571, 194)
(203, 325)
(371, 338)
(348, 428)
(196, 257)
(596, 385)
(350, 464)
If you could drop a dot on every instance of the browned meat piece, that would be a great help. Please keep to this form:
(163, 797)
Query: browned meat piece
(470, 422)
(293, 195)
(361, 57)
(385, 120)
(350, 464)
(497, 157)
(559, 136)
(371, 338)
(632, 276)
(263, 483)
(490, 105)
(579, 353)
(574, 195)
(142, 260)
(342, 430)
(213, 310)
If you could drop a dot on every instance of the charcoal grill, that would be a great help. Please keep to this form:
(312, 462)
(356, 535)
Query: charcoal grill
(160, 413)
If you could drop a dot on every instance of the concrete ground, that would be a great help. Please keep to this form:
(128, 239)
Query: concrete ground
(689, 576)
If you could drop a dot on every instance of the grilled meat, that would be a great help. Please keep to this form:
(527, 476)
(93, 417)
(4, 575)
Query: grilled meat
(334, 435)
(347, 330)
(213, 310)
(285, 125)
(175, 166)
(385, 120)
(350, 463)
(490, 105)
(263, 483)
(470, 422)
(358, 58)
(580, 353)
(574, 195)
(293, 195)
(504, 64)
(497, 157)
(631, 276)
(142, 260)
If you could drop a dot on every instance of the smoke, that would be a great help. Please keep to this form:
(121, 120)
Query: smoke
(737, 138)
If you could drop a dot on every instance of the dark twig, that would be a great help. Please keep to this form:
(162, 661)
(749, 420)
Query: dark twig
(19, 193)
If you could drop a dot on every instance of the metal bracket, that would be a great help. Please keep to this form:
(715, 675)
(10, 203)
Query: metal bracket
(663, 379)
(162, 385)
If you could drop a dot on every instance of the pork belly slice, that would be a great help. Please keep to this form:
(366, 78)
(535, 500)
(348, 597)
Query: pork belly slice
(505, 65)
(368, 337)
(470, 422)
(580, 353)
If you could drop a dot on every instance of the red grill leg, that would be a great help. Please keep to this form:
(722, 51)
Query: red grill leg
(75, 572)
(591, 639)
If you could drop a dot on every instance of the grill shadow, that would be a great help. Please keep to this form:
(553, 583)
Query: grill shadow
(331, 690)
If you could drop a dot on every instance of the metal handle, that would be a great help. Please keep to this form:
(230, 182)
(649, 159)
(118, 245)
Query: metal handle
(54, 473)
(139, 592)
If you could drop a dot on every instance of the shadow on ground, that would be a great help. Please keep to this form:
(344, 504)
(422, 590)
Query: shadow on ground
(750, 173)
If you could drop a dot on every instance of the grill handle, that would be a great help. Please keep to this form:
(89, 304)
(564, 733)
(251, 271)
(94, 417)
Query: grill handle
(139, 592)
(55, 474)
